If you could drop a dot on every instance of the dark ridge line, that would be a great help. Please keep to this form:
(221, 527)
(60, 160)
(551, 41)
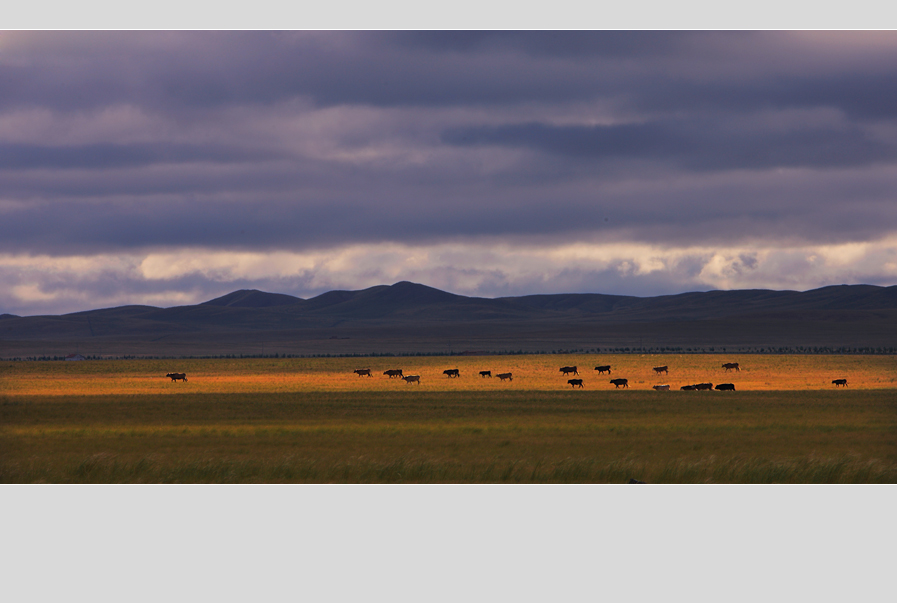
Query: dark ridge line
(771, 351)
(406, 292)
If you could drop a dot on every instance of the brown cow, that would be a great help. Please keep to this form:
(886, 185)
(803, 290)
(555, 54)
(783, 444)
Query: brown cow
(703, 386)
(662, 388)
(569, 369)
(661, 369)
(575, 382)
(731, 365)
(393, 373)
(412, 379)
(504, 376)
(618, 382)
(177, 376)
(360, 372)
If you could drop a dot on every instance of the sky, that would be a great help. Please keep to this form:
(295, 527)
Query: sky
(171, 167)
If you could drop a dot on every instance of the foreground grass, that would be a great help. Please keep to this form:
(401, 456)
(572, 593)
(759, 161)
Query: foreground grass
(105, 468)
(411, 435)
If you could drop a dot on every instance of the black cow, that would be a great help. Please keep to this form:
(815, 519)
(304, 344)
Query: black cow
(569, 369)
(365, 372)
(485, 373)
(452, 373)
(618, 382)
(840, 382)
(603, 369)
(687, 388)
(726, 387)
(177, 376)
(393, 373)
(661, 369)
(575, 382)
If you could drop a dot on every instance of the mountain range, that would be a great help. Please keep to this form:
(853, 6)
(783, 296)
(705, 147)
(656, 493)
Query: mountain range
(413, 318)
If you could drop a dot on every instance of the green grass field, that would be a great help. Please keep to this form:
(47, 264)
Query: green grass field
(314, 420)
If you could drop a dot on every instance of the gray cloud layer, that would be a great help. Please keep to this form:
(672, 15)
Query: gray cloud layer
(134, 143)
(694, 145)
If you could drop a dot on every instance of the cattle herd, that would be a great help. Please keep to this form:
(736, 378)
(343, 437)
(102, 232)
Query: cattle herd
(617, 382)
(658, 370)
(450, 373)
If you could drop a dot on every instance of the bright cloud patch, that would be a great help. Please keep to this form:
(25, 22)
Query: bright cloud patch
(187, 276)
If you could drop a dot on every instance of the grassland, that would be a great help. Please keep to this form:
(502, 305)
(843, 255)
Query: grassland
(314, 420)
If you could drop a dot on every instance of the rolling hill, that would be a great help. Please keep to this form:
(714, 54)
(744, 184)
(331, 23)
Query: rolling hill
(413, 318)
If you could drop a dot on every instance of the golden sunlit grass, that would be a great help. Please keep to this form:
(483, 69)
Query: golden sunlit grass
(314, 420)
(530, 373)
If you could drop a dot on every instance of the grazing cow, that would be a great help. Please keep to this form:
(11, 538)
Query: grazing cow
(452, 373)
(603, 369)
(618, 382)
(687, 388)
(360, 372)
(412, 379)
(569, 369)
(731, 365)
(575, 382)
(726, 387)
(661, 369)
(485, 373)
(504, 376)
(840, 382)
(662, 388)
(703, 386)
(177, 376)
(393, 373)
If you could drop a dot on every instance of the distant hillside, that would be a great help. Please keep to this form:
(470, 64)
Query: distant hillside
(252, 298)
(412, 318)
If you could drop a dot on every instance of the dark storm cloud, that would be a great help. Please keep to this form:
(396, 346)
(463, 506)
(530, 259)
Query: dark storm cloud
(657, 70)
(204, 69)
(111, 156)
(201, 69)
(86, 228)
(571, 44)
(871, 95)
(696, 144)
(303, 216)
